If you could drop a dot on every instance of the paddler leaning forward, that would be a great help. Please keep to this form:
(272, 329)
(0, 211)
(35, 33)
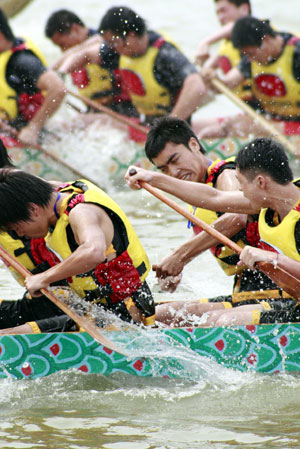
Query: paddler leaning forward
(267, 189)
(100, 253)
(173, 148)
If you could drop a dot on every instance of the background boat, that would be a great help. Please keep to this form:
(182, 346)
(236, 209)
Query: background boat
(118, 160)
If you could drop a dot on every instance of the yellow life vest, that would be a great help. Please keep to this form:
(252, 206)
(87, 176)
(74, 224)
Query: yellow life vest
(125, 240)
(31, 253)
(230, 57)
(93, 80)
(8, 97)
(146, 94)
(226, 258)
(275, 86)
(281, 236)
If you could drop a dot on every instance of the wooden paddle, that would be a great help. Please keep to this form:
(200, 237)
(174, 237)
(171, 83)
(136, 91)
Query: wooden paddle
(278, 275)
(269, 127)
(13, 132)
(115, 115)
(83, 322)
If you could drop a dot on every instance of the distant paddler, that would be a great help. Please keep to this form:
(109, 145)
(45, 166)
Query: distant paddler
(226, 58)
(30, 92)
(158, 78)
(272, 60)
(98, 81)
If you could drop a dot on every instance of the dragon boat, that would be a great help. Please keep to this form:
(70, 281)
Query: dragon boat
(53, 166)
(168, 352)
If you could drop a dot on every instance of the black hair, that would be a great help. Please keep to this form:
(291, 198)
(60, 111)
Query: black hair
(121, 21)
(249, 31)
(5, 160)
(17, 190)
(264, 155)
(61, 21)
(168, 129)
(5, 28)
(238, 3)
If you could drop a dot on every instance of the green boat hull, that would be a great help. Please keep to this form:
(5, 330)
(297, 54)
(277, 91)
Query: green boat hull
(261, 348)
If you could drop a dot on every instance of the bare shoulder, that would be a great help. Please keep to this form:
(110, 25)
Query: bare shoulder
(227, 180)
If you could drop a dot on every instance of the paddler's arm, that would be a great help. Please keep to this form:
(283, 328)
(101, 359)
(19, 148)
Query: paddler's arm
(251, 255)
(194, 193)
(93, 231)
(91, 41)
(79, 59)
(191, 96)
(202, 52)
(228, 224)
(173, 264)
(50, 83)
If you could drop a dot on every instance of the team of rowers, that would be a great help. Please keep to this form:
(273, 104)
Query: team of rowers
(75, 235)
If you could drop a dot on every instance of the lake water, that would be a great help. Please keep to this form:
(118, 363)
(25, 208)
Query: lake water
(219, 408)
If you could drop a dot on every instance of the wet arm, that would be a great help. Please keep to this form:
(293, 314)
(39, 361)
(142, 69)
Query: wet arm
(194, 193)
(172, 265)
(191, 96)
(79, 59)
(50, 83)
(93, 231)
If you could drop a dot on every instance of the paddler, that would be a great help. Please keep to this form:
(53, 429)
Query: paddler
(156, 75)
(100, 253)
(272, 61)
(30, 92)
(227, 57)
(29, 315)
(99, 81)
(264, 175)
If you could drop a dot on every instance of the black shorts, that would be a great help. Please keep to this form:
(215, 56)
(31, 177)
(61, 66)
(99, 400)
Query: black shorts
(142, 299)
(286, 314)
(15, 313)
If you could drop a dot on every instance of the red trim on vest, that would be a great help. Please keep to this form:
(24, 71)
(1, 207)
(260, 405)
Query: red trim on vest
(121, 275)
(297, 208)
(252, 234)
(29, 104)
(293, 40)
(41, 253)
(78, 198)
(80, 78)
(19, 47)
(267, 247)
(214, 171)
(159, 42)
(224, 64)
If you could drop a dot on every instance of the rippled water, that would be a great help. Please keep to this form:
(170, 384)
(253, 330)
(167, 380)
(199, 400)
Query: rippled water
(213, 407)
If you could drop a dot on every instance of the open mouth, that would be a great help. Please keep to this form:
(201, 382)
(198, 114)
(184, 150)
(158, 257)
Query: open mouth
(185, 177)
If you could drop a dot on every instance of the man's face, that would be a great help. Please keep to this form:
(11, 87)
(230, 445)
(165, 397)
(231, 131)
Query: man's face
(181, 163)
(67, 40)
(36, 227)
(4, 43)
(127, 46)
(252, 190)
(228, 12)
(261, 55)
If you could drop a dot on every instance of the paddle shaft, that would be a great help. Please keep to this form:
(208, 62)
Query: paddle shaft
(115, 115)
(83, 322)
(281, 277)
(40, 148)
(269, 127)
